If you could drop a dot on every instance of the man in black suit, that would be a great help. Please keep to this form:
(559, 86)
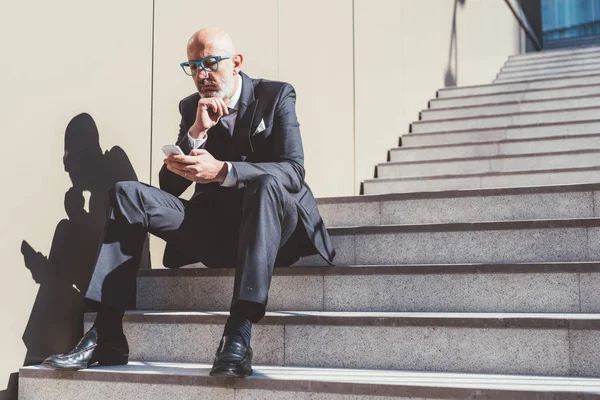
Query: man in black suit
(251, 208)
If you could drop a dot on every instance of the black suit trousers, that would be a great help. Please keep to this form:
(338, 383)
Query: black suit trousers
(254, 230)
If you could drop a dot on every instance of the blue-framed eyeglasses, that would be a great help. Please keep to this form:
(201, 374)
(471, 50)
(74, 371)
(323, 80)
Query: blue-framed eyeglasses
(208, 64)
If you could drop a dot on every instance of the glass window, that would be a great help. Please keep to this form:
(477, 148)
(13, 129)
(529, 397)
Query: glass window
(568, 19)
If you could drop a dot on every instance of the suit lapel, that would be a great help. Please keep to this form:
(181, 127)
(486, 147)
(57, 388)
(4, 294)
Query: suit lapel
(245, 119)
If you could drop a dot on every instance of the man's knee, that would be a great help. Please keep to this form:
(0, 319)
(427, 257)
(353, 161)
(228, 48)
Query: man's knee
(262, 183)
(126, 199)
(127, 188)
(264, 190)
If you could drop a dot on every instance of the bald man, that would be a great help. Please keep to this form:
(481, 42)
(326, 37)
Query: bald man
(251, 209)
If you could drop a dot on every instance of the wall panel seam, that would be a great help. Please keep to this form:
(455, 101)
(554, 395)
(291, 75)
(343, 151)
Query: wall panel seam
(278, 40)
(354, 183)
(152, 91)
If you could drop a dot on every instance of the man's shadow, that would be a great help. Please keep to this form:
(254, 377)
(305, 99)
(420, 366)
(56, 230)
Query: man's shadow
(56, 321)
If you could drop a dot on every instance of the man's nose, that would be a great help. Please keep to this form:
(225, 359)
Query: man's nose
(201, 74)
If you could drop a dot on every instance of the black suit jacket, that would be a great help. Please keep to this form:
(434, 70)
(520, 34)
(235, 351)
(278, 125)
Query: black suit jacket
(277, 150)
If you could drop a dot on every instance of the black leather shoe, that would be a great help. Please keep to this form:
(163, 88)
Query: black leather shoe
(233, 358)
(88, 352)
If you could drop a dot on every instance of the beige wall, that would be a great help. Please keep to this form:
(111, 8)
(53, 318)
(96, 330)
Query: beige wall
(319, 63)
(362, 70)
(412, 42)
(59, 59)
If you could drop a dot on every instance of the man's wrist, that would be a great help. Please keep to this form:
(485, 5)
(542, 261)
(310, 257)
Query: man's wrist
(222, 175)
(197, 133)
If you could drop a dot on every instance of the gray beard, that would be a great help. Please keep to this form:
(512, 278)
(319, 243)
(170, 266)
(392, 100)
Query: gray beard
(225, 91)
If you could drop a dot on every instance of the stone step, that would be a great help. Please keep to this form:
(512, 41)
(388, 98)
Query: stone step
(507, 343)
(508, 67)
(543, 130)
(500, 242)
(506, 204)
(551, 60)
(504, 120)
(480, 181)
(517, 288)
(542, 73)
(160, 381)
(495, 148)
(479, 110)
(490, 164)
(554, 54)
(518, 96)
(558, 75)
(508, 87)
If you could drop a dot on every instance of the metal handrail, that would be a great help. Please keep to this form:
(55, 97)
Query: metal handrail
(518, 12)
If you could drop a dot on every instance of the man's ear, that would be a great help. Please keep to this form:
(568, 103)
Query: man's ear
(238, 60)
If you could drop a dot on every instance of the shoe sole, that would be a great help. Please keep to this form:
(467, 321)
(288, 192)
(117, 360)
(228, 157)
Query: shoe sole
(62, 367)
(123, 361)
(230, 372)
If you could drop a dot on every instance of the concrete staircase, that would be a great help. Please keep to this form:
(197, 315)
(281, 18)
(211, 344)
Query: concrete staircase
(470, 269)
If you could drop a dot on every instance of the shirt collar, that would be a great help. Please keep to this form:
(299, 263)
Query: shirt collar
(233, 101)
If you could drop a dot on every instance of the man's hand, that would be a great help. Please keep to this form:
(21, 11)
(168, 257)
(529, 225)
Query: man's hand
(210, 110)
(200, 167)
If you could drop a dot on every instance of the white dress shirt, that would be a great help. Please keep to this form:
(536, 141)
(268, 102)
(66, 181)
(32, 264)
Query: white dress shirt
(231, 179)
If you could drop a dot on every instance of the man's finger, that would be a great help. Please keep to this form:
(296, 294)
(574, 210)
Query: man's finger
(217, 106)
(186, 174)
(177, 169)
(193, 169)
(213, 106)
(174, 170)
(179, 166)
(220, 105)
(181, 159)
(198, 152)
(223, 105)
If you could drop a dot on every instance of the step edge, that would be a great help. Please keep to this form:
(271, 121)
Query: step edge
(485, 192)
(560, 64)
(556, 70)
(510, 103)
(386, 270)
(506, 76)
(589, 222)
(390, 164)
(563, 75)
(497, 141)
(263, 381)
(510, 127)
(376, 319)
(438, 99)
(483, 174)
(517, 114)
(511, 83)
(587, 49)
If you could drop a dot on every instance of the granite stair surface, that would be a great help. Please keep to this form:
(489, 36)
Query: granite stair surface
(468, 269)
(160, 381)
(512, 107)
(516, 96)
(498, 343)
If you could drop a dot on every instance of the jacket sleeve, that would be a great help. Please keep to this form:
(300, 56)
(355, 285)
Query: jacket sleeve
(288, 161)
(167, 180)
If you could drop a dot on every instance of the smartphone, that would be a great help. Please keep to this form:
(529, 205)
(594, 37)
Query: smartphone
(172, 149)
